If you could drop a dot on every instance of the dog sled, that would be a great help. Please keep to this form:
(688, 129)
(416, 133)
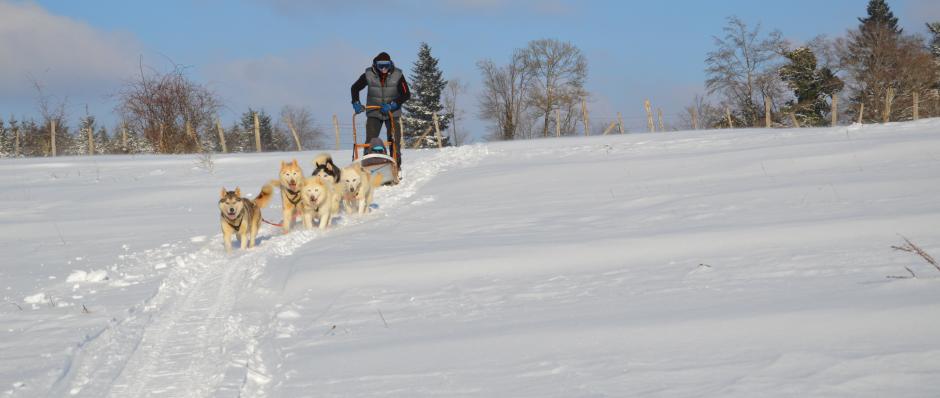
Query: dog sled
(378, 157)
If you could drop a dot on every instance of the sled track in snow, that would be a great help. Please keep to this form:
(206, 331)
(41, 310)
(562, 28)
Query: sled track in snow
(187, 340)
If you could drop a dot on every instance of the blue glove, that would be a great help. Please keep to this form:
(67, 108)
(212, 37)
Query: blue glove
(358, 107)
(389, 107)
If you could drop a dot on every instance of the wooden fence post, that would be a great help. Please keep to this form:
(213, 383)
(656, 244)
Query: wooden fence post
(609, 127)
(620, 122)
(160, 141)
(916, 103)
(584, 115)
(768, 123)
(257, 133)
(124, 136)
(936, 106)
(889, 98)
(649, 116)
(52, 134)
(861, 112)
(437, 131)
(90, 132)
(557, 123)
(796, 123)
(728, 116)
(694, 118)
(336, 129)
(834, 113)
(401, 134)
(290, 125)
(192, 133)
(660, 112)
(218, 127)
(422, 137)
(16, 142)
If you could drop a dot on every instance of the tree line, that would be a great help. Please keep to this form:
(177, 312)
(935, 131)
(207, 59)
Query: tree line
(159, 112)
(875, 73)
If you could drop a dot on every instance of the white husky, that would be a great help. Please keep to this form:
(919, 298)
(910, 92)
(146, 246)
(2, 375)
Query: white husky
(320, 202)
(358, 186)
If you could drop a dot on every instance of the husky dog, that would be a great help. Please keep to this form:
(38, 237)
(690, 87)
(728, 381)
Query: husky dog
(358, 185)
(320, 202)
(325, 168)
(291, 180)
(242, 216)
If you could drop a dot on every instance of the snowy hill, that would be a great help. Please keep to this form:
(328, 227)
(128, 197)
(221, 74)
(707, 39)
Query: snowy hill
(710, 263)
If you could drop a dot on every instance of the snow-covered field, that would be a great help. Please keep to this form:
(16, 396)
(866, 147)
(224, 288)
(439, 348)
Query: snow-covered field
(713, 263)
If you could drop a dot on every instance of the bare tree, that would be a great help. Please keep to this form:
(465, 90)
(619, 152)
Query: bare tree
(311, 135)
(169, 109)
(559, 71)
(455, 88)
(879, 59)
(742, 68)
(705, 115)
(504, 97)
(52, 111)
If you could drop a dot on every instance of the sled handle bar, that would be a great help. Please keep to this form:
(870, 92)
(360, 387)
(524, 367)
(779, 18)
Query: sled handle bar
(357, 146)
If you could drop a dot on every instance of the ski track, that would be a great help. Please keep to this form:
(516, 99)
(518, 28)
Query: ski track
(188, 339)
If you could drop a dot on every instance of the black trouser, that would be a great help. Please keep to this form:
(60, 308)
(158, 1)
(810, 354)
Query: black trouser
(374, 126)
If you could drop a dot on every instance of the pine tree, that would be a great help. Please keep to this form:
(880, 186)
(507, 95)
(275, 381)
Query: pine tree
(872, 59)
(811, 86)
(103, 143)
(270, 139)
(427, 84)
(5, 141)
(15, 134)
(880, 15)
(138, 143)
(934, 29)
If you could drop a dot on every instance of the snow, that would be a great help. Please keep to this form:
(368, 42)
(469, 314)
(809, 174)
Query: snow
(708, 263)
(98, 275)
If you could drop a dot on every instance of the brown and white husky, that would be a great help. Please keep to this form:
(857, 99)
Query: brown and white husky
(291, 181)
(242, 216)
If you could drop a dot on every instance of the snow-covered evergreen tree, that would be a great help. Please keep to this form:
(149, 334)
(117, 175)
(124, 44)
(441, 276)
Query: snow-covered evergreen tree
(427, 85)
(104, 145)
(137, 143)
(16, 137)
(812, 87)
(934, 28)
(6, 142)
(80, 144)
(271, 140)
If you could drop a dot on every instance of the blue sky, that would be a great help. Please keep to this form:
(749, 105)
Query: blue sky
(270, 53)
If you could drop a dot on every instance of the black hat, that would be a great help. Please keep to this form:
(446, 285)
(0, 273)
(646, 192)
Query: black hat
(383, 56)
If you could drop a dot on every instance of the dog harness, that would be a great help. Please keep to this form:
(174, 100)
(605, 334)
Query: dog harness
(241, 218)
(295, 194)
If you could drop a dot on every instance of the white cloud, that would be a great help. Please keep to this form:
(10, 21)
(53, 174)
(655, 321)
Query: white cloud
(317, 78)
(63, 54)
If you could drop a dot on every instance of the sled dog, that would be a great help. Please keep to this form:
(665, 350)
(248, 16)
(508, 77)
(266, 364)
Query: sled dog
(242, 216)
(325, 168)
(358, 185)
(320, 202)
(291, 181)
